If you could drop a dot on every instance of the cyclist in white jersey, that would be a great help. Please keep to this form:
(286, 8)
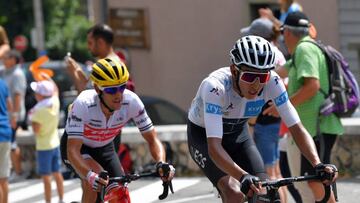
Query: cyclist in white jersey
(95, 118)
(218, 136)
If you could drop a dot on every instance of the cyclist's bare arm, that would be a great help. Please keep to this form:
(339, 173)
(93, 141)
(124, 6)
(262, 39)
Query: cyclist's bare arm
(75, 158)
(222, 159)
(77, 74)
(156, 148)
(305, 143)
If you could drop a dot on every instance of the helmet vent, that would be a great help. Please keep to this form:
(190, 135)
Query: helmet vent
(97, 76)
(104, 69)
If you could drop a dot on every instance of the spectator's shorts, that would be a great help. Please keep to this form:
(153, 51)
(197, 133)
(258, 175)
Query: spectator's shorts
(266, 138)
(48, 161)
(4, 159)
(13, 138)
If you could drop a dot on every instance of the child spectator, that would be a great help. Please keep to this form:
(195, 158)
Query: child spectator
(44, 117)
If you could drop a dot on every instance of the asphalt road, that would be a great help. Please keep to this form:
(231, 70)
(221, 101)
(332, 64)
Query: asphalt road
(197, 189)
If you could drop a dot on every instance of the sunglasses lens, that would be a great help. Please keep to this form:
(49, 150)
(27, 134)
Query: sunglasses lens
(114, 90)
(251, 77)
(110, 90)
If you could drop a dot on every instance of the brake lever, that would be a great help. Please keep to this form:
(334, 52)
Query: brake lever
(103, 175)
(165, 191)
(334, 188)
(171, 187)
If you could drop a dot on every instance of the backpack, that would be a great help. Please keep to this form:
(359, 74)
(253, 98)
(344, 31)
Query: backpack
(343, 96)
(125, 158)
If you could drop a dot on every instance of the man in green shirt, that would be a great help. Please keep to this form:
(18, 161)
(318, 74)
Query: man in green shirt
(307, 72)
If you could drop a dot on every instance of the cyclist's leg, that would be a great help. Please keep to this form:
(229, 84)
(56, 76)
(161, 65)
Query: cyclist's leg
(88, 194)
(109, 160)
(227, 186)
(249, 159)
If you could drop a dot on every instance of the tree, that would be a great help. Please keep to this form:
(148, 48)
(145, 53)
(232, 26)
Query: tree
(65, 25)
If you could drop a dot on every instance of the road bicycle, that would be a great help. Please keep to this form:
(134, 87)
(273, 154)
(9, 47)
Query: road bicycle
(121, 192)
(272, 187)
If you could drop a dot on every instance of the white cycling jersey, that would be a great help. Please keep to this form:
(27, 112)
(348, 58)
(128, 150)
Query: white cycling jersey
(86, 121)
(220, 110)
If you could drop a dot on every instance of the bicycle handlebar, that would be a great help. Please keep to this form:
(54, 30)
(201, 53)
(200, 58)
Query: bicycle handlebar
(274, 185)
(131, 177)
(287, 181)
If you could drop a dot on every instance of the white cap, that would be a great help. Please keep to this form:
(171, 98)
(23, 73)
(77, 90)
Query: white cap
(44, 88)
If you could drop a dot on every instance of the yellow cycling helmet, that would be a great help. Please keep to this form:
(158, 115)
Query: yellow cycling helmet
(107, 72)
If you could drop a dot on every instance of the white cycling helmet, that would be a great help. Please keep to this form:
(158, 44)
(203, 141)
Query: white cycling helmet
(253, 51)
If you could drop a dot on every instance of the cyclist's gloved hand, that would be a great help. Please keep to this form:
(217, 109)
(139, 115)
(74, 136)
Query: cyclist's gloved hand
(326, 172)
(165, 170)
(95, 181)
(246, 181)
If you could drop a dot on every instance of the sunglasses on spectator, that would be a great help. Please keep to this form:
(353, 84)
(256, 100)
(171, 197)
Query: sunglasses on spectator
(113, 89)
(250, 77)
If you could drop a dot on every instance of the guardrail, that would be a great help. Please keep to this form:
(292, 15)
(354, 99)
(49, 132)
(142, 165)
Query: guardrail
(345, 153)
(173, 133)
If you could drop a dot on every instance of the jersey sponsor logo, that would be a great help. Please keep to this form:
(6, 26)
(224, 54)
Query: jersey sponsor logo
(96, 121)
(143, 120)
(72, 125)
(283, 98)
(215, 90)
(95, 124)
(253, 108)
(198, 157)
(120, 119)
(231, 106)
(276, 78)
(142, 111)
(213, 108)
(75, 118)
(101, 134)
(92, 105)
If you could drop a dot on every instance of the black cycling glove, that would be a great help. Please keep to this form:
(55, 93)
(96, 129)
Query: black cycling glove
(164, 169)
(320, 171)
(246, 180)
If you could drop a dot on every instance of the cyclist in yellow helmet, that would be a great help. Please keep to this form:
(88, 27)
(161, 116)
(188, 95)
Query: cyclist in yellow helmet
(96, 118)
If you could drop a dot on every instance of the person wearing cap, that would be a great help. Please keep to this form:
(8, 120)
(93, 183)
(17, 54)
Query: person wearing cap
(16, 82)
(308, 74)
(44, 118)
(266, 127)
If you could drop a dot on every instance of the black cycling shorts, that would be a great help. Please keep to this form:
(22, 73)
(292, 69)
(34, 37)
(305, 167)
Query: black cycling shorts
(242, 151)
(105, 156)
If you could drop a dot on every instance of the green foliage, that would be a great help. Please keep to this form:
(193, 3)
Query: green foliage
(66, 29)
(65, 26)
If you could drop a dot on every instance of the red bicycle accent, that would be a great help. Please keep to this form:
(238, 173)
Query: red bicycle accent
(120, 194)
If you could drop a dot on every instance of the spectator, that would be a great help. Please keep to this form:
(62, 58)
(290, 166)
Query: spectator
(44, 117)
(16, 81)
(308, 73)
(266, 128)
(286, 7)
(5, 138)
(4, 42)
(100, 39)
